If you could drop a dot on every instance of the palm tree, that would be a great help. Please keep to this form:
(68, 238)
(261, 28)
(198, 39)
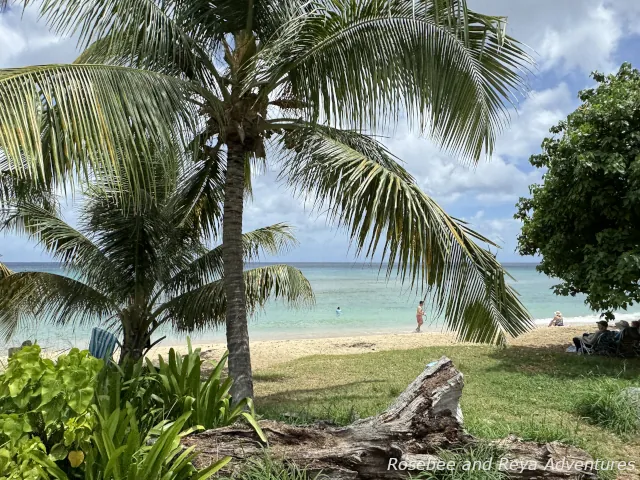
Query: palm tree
(302, 81)
(140, 270)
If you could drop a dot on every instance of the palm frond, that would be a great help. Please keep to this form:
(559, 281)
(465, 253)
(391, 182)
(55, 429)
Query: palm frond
(4, 271)
(24, 188)
(94, 117)
(206, 306)
(361, 63)
(386, 213)
(198, 201)
(272, 240)
(66, 244)
(160, 36)
(51, 298)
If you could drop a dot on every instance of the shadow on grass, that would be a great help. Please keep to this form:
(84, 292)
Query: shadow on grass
(269, 377)
(337, 404)
(554, 362)
(316, 393)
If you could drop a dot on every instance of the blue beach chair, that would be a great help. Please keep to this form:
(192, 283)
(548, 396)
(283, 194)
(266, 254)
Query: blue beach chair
(102, 343)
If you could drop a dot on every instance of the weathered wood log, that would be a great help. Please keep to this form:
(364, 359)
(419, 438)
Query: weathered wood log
(425, 419)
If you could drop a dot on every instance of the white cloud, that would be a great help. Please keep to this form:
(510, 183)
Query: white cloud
(503, 231)
(541, 110)
(25, 40)
(586, 45)
(568, 34)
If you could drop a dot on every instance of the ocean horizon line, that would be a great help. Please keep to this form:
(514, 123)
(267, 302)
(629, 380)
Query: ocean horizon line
(506, 264)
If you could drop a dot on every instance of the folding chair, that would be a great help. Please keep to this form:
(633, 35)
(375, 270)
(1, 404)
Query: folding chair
(607, 345)
(586, 348)
(102, 343)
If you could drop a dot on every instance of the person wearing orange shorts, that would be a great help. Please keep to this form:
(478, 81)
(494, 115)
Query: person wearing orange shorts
(420, 315)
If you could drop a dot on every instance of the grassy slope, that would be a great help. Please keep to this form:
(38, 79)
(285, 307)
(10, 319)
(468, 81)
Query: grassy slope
(529, 392)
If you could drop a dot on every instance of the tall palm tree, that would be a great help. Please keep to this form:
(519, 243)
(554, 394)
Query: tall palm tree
(140, 270)
(301, 80)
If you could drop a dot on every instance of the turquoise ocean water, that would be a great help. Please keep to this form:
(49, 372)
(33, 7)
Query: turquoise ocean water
(369, 304)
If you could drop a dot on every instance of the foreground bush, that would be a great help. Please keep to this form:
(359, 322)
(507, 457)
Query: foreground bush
(181, 389)
(77, 419)
(45, 410)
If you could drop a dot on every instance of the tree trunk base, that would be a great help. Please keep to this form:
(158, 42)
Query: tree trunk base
(425, 419)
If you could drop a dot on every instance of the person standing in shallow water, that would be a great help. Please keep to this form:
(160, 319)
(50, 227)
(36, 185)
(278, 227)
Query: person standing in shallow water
(420, 315)
(338, 312)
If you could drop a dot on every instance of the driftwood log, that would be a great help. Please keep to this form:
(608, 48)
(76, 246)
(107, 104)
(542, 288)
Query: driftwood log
(425, 419)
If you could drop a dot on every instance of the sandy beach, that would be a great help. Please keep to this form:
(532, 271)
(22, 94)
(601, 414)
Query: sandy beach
(266, 353)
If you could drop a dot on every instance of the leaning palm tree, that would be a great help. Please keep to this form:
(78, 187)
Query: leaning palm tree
(301, 82)
(139, 270)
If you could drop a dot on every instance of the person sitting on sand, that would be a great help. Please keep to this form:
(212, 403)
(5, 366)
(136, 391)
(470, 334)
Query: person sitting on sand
(590, 339)
(420, 315)
(557, 321)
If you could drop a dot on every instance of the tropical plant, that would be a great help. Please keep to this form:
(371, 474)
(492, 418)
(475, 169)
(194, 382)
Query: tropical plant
(45, 410)
(180, 389)
(130, 385)
(29, 461)
(122, 453)
(308, 78)
(590, 240)
(140, 269)
(58, 421)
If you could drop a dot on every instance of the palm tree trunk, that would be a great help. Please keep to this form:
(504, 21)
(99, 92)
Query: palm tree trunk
(232, 256)
(133, 344)
(131, 350)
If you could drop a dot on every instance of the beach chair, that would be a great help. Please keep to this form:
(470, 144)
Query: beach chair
(604, 344)
(585, 348)
(629, 345)
(608, 344)
(102, 343)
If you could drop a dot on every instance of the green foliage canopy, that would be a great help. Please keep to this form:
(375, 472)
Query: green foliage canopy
(584, 219)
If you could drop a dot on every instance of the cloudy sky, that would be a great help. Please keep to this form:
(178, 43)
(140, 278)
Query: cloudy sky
(569, 38)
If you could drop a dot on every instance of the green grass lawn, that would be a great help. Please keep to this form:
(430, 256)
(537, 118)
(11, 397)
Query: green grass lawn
(533, 393)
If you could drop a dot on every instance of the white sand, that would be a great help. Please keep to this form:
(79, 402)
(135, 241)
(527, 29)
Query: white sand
(266, 353)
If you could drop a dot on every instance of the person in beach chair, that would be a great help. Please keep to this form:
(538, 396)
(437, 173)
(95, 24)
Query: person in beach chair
(635, 331)
(621, 325)
(586, 343)
(102, 344)
(608, 344)
(629, 342)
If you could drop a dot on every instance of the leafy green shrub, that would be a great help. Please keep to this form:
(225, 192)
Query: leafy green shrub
(605, 404)
(122, 453)
(28, 461)
(74, 419)
(45, 410)
(180, 389)
(130, 385)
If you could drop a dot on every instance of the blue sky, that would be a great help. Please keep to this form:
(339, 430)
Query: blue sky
(568, 38)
